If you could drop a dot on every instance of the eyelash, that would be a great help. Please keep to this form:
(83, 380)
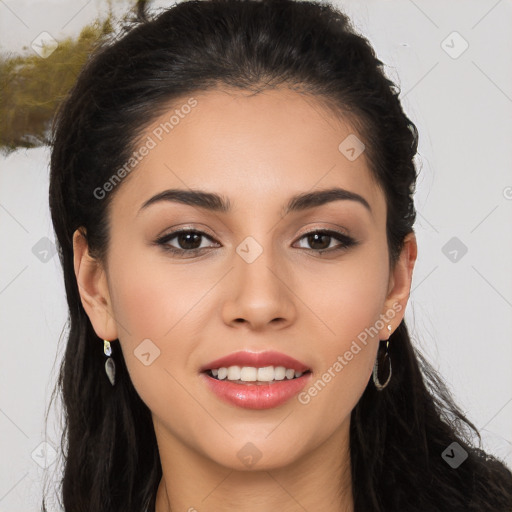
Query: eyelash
(163, 241)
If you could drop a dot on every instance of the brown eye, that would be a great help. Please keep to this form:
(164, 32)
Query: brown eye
(321, 240)
(187, 242)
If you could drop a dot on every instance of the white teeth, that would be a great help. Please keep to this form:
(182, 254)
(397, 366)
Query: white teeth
(280, 372)
(266, 374)
(252, 374)
(234, 373)
(248, 374)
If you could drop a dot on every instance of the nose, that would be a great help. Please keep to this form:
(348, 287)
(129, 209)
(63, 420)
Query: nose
(260, 294)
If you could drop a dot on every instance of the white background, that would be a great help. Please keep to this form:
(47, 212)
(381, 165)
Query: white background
(459, 313)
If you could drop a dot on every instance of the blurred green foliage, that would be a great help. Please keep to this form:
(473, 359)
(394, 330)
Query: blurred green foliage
(31, 87)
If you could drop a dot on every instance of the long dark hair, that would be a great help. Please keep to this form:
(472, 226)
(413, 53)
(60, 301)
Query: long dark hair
(397, 435)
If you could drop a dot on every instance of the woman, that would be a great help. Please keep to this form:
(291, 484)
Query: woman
(231, 190)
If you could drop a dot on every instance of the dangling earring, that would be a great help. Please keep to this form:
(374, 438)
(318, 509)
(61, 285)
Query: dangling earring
(110, 365)
(382, 364)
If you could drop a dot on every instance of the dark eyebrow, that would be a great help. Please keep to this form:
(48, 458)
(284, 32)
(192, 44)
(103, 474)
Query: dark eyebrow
(206, 200)
(320, 197)
(218, 203)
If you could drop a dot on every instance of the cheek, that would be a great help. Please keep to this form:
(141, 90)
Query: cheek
(349, 302)
(152, 300)
(160, 311)
(350, 297)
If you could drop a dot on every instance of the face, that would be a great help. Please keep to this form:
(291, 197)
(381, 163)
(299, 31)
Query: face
(313, 283)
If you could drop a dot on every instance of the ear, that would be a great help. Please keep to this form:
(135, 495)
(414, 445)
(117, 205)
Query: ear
(93, 288)
(400, 279)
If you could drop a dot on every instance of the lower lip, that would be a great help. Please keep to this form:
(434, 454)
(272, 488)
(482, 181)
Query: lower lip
(257, 396)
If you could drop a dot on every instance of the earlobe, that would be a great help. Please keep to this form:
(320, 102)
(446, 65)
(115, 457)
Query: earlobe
(93, 287)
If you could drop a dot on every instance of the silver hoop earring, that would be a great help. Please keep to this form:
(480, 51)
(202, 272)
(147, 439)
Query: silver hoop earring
(110, 365)
(382, 365)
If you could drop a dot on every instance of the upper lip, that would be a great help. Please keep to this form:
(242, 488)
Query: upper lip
(256, 359)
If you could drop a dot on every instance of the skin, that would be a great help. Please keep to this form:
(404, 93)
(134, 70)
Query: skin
(258, 151)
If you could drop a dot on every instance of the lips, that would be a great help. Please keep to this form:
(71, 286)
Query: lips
(256, 359)
(254, 396)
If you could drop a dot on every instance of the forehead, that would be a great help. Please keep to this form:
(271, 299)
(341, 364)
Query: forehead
(252, 148)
